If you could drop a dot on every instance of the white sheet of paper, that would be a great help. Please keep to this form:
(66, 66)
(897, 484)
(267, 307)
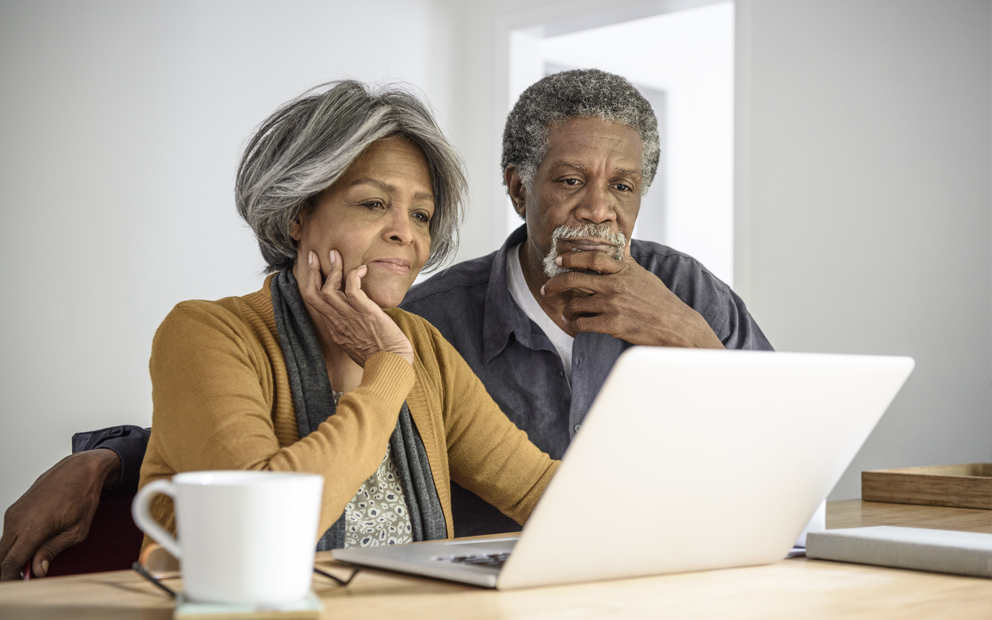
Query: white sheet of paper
(817, 524)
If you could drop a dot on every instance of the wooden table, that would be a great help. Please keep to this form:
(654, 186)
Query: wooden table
(796, 588)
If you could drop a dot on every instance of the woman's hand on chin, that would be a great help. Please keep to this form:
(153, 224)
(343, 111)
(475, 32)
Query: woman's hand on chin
(351, 320)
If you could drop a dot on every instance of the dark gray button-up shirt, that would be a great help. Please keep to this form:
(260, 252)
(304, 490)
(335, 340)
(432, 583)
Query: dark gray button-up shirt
(471, 306)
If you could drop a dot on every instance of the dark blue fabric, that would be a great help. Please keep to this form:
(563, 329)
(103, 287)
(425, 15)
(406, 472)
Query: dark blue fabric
(129, 442)
(470, 304)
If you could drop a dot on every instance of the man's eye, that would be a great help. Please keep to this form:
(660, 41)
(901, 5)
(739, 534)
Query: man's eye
(571, 182)
(373, 204)
(623, 187)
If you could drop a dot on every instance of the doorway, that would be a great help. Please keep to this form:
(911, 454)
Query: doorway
(683, 62)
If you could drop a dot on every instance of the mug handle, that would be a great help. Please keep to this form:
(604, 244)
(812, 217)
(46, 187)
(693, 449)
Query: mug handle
(144, 520)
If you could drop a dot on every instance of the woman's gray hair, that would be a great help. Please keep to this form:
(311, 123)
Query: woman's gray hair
(306, 145)
(571, 94)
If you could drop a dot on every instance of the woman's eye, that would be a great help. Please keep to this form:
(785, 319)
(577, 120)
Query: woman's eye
(423, 217)
(373, 204)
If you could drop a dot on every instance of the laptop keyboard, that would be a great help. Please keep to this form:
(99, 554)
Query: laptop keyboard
(495, 560)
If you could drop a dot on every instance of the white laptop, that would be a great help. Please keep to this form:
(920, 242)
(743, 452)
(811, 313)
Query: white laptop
(688, 460)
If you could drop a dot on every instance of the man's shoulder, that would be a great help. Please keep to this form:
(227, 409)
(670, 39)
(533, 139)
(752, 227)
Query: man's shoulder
(647, 250)
(666, 262)
(469, 277)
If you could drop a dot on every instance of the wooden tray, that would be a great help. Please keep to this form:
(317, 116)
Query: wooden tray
(960, 486)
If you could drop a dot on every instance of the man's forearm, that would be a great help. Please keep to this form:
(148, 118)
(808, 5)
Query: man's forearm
(104, 462)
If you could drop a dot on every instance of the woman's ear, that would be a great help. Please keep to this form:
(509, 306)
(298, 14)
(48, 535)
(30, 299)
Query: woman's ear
(296, 228)
(305, 209)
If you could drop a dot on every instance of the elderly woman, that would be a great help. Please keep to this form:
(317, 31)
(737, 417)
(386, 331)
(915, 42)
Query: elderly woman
(350, 193)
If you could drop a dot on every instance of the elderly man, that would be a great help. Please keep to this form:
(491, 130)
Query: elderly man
(541, 321)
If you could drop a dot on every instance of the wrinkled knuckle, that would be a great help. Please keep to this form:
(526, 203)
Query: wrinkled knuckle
(16, 521)
(78, 534)
(11, 566)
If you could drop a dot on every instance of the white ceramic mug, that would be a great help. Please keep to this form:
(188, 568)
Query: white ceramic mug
(243, 536)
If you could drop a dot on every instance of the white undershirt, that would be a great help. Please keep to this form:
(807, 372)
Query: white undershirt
(525, 299)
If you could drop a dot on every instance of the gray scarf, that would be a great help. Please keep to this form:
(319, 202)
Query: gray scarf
(313, 401)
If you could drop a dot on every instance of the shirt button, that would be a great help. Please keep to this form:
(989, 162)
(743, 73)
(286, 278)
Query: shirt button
(561, 374)
(576, 428)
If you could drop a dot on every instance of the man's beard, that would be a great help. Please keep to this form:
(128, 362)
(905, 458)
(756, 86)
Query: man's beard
(598, 231)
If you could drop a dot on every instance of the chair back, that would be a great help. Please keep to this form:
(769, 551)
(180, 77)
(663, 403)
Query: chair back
(113, 543)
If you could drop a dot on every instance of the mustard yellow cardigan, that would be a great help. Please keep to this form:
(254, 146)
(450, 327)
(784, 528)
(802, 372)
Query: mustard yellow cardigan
(222, 400)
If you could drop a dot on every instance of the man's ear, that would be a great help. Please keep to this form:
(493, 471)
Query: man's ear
(515, 188)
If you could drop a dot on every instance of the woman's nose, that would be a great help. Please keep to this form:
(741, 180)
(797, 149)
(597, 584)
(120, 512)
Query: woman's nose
(399, 227)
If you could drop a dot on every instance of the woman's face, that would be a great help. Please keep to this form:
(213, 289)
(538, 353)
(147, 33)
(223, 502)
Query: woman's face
(377, 214)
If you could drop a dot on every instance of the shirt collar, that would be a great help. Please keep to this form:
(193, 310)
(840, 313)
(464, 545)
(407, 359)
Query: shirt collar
(502, 316)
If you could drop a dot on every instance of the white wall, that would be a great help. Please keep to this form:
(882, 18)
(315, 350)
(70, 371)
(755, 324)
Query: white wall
(864, 190)
(120, 128)
(864, 205)
(689, 55)
(483, 91)
(863, 210)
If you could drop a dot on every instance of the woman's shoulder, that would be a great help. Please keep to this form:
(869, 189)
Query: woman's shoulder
(243, 316)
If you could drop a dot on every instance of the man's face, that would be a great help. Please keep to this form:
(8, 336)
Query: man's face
(589, 180)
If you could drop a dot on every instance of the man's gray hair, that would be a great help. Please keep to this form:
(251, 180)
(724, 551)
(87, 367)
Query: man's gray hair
(306, 145)
(572, 94)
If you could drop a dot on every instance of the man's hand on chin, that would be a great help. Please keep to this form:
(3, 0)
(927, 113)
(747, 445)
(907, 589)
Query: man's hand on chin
(626, 301)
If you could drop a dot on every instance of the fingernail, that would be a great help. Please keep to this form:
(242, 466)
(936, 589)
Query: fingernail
(558, 261)
(44, 568)
(312, 258)
(542, 290)
(332, 258)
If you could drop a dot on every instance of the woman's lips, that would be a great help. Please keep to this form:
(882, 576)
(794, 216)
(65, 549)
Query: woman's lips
(399, 266)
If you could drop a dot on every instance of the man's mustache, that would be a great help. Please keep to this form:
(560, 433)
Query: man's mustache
(587, 231)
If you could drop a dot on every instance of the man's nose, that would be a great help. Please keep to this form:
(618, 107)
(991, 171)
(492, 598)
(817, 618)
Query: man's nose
(597, 206)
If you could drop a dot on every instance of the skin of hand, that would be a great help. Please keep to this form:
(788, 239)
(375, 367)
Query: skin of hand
(56, 512)
(352, 320)
(626, 301)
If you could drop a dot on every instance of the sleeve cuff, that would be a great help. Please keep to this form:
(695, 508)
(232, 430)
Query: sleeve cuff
(388, 376)
(128, 442)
